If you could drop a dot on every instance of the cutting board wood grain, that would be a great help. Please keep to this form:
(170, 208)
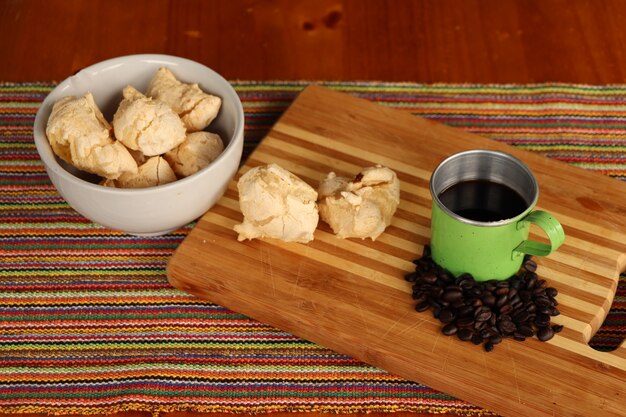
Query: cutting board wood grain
(350, 295)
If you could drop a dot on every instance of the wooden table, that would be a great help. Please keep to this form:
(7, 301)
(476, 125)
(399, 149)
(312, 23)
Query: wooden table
(480, 41)
(475, 41)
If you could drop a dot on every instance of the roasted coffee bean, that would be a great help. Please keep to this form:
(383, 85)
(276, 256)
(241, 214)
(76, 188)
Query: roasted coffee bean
(544, 310)
(466, 283)
(446, 315)
(418, 290)
(525, 330)
(424, 265)
(482, 314)
(515, 283)
(530, 265)
(485, 312)
(464, 277)
(464, 334)
(429, 277)
(517, 305)
(488, 346)
(474, 292)
(449, 329)
(445, 276)
(545, 333)
(506, 327)
(504, 317)
(502, 290)
(452, 294)
(419, 299)
(426, 251)
(422, 306)
(521, 317)
(436, 292)
(411, 276)
(542, 301)
(434, 303)
(514, 299)
(551, 292)
(465, 311)
(542, 320)
(465, 322)
(502, 300)
(488, 299)
(467, 286)
(441, 283)
(506, 309)
(480, 325)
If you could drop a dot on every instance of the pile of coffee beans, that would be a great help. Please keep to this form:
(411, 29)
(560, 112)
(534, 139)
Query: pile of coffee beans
(488, 311)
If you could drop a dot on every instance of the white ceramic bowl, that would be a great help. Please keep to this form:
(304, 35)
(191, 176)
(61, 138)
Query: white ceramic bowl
(153, 210)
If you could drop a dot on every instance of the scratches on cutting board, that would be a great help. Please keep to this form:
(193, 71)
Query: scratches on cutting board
(266, 262)
(298, 275)
(517, 391)
(395, 323)
(364, 320)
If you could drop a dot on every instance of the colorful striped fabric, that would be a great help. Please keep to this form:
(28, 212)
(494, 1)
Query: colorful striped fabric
(89, 324)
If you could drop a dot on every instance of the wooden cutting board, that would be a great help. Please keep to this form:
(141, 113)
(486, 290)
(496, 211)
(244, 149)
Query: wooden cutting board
(350, 295)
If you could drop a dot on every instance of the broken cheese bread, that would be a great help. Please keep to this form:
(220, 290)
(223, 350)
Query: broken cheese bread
(155, 171)
(197, 151)
(361, 208)
(276, 204)
(147, 125)
(80, 135)
(196, 108)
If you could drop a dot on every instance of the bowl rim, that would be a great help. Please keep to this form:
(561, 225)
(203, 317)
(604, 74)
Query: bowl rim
(42, 143)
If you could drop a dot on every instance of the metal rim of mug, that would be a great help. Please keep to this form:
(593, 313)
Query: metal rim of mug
(497, 154)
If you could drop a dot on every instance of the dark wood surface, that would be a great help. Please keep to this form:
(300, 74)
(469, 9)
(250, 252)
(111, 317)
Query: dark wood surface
(480, 41)
(475, 41)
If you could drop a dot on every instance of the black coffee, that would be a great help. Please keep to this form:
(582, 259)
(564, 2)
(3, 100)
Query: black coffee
(483, 200)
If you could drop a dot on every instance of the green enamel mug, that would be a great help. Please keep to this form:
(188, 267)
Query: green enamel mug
(482, 211)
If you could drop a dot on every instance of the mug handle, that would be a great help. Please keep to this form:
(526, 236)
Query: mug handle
(550, 226)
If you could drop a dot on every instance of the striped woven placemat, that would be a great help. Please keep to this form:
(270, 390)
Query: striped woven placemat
(89, 324)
